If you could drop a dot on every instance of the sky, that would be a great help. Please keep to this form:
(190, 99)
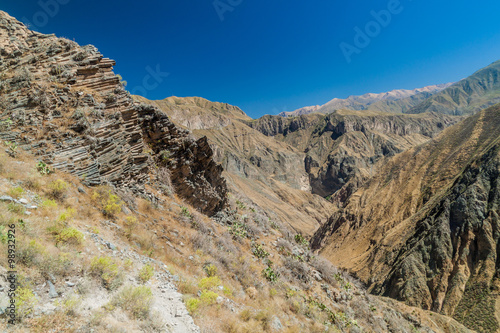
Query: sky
(276, 55)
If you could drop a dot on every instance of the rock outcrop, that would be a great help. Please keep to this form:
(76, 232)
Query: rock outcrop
(64, 103)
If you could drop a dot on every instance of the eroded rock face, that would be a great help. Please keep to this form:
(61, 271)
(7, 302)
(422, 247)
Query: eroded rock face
(64, 103)
(344, 147)
(426, 229)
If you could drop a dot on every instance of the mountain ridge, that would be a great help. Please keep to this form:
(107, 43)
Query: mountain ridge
(377, 101)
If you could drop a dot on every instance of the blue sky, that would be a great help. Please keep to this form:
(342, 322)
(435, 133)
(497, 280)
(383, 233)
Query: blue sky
(271, 56)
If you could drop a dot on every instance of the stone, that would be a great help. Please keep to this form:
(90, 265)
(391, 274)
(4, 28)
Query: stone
(317, 275)
(125, 210)
(6, 198)
(111, 246)
(81, 190)
(52, 290)
(276, 324)
(70, 284)
(23, 201)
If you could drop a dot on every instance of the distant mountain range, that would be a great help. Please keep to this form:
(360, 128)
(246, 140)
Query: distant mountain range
(396, 101)
(468, 96)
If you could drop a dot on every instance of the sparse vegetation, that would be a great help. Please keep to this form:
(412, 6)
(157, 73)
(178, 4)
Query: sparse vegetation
(57, 189)
(43, 168)
(135, 300)
(146, 273)
(109, 203)
(107, 270)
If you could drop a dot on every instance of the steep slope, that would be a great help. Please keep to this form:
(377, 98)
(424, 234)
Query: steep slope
(425, 229)
(347, 145)
(470, 95)
(63, 103)
(269, 172)
(396, 101)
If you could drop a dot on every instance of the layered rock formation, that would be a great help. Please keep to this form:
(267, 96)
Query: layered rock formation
(425, 230)
(64, 103)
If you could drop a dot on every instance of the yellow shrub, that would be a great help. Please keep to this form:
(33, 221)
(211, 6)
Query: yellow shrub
(25, 302)
(209, 283)
(211, 270)
(67, 215)
(136, 300)
(70, 235)
(58, 189)
(16, 192)
(146, 273)
(208, 297)
(107, 270)
(110, 203)
(192, 305)
(48, 203)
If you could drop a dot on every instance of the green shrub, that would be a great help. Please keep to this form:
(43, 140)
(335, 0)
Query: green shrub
(299, 239)
(259, 252)
(16, 208)
(16, 192)
(135, 300)
(185, 212)
(43, 168)
(238, 230)
(146, 273)
(270, 274)
(11, 149)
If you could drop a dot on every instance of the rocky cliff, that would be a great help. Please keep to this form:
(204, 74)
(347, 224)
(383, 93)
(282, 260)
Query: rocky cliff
(347, 145)
(64, 103)
(425, 229)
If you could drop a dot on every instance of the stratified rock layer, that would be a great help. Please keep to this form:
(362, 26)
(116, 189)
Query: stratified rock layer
(64, 103)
